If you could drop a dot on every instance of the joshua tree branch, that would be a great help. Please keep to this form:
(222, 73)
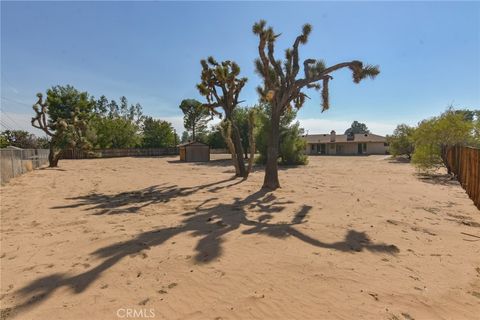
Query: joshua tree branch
(215, 94)
(40, 109)
(212, 107)
(263, 57)
(275, 64)
(306, 67)
(296, 66)
(303, 82)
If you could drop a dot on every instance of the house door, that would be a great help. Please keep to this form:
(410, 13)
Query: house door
(339, 149)
(362, 148)
(322, 148)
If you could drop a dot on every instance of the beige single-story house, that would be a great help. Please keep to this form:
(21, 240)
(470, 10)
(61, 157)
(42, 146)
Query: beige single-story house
(358, 143)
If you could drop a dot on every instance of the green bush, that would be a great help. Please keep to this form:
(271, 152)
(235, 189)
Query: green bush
(401, 142)
(450, 128)
(291, 148)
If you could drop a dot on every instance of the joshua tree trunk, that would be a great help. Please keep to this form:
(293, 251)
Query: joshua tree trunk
(239, 151)
(226, 130)
(271, 169)
(231, 148)
(251, 140)
(53, 156)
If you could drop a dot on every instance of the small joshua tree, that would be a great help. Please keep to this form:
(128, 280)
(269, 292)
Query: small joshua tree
(221, 87)
(283, 87)
(63, 116)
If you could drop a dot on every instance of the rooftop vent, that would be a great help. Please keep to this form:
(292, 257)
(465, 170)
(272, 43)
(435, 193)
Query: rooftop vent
(332, 136)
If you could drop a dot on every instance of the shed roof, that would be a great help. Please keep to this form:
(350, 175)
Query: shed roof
(342, 138)
(192, 143)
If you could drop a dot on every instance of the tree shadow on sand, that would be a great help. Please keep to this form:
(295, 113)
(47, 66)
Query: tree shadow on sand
(438, 178)
(133, 201)
(210, 224)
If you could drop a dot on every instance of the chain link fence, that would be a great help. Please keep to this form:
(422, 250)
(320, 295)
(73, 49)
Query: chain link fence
(14, 162)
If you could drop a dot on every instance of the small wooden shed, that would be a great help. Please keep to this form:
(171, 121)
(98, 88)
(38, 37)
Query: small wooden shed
(194, 152)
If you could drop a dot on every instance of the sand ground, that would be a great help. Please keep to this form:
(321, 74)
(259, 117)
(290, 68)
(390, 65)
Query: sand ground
(344, 238)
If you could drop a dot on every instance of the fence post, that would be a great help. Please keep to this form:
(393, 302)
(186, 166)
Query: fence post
(13, 168)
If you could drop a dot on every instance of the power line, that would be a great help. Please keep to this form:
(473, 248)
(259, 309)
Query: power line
(14, 122)
(2, 123)
(7, 81)
(7, 124)
(16, 101)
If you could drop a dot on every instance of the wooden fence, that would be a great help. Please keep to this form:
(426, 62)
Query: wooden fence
(114, 153)
(464, 163)
(14, 162)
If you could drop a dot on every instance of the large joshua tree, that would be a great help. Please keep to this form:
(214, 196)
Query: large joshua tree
(283, 86)
(63, 116)
(221, 87)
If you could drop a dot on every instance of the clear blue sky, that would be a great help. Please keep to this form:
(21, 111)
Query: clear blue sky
(428, 52)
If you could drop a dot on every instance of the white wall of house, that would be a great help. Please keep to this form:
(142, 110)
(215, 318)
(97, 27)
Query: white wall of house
(376, 148)
(348, 148)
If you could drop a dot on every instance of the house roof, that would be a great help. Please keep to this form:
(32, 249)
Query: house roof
(342, 138)
(192, 143)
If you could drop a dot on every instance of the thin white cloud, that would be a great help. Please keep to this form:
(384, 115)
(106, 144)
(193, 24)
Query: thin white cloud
(12, 89)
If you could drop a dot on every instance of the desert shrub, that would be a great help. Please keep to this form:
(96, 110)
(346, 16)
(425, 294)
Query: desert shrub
(450, 128)
(291, 147)
(401, 142)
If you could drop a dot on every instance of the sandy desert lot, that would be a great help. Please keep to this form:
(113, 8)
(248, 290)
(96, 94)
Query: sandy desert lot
(344, 238)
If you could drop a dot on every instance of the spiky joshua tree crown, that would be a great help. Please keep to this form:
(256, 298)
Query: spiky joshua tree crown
(281, 83)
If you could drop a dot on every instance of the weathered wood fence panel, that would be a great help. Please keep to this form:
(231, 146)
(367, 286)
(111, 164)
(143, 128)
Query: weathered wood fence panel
(14, 162)
(219, 151)
(464, 163)
(114, 153)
